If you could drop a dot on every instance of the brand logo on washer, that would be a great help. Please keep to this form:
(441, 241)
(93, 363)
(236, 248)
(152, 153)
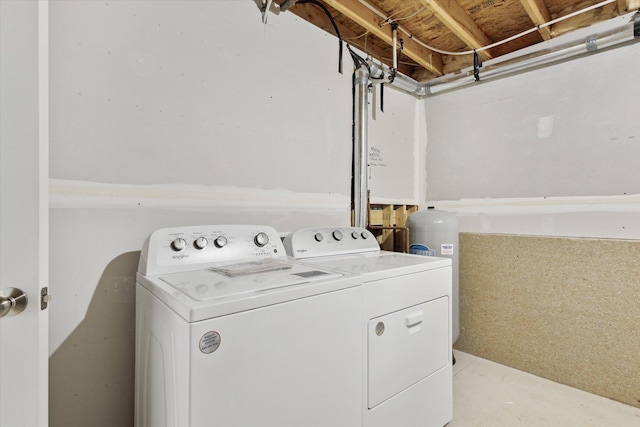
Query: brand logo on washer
(181, 256)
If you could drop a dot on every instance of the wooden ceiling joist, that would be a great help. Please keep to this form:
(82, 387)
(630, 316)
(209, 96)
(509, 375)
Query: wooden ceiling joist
(628, 6)
(313, 14)
(370, 21)
(539, 14)
(451, 26)
(451, 14)
(631, 5)
(623, 5)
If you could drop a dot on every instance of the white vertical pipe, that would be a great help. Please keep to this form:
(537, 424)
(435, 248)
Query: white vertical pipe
(395, 47)
(360, 146)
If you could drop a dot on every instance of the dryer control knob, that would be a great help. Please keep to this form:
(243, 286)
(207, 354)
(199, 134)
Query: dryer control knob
(261, 239)
(364, 235)
(200, 243)
(178, 244)
(220, 242)
(355, 235)
(337, 234)
(318, 237)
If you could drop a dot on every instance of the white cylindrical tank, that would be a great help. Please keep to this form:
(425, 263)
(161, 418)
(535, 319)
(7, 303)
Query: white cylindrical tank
(435, 233)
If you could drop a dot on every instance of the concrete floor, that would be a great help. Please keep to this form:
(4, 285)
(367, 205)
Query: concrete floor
(493, 395)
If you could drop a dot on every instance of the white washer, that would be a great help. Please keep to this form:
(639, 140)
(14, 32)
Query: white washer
(232, 332)
(407, 359)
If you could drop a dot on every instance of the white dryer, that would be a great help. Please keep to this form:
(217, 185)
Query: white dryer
(407, 359)
(232, 332)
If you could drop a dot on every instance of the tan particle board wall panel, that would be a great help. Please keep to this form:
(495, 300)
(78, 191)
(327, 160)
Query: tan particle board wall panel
(566, 309)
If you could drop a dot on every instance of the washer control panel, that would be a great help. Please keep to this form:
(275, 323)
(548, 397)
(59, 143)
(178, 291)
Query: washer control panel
(325, 241)
(170, 250)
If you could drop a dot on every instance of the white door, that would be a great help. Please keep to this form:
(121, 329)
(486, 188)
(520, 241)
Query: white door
(24, 210)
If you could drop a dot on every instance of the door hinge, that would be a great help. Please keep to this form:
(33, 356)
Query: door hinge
(45, 298)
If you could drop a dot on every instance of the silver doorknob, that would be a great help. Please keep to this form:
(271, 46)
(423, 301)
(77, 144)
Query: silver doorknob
(12, 301)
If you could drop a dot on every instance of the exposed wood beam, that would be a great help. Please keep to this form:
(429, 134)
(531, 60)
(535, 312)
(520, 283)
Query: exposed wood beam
(454, 17)
(366, 18)
(630, 4)
(539, 15)
(586, 19)
(623, 5)
(313, 14)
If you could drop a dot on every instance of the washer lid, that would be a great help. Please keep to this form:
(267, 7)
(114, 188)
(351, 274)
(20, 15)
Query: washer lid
(213, 284)
(212, 292)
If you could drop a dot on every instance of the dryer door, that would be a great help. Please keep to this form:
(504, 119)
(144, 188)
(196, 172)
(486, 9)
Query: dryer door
(406, 346)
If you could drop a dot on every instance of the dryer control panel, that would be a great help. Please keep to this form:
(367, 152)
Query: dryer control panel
(177, 249)
(325, 241)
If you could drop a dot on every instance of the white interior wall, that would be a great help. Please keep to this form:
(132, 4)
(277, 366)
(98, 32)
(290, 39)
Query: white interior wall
(551, 151)
(188, 107)
(179, 113)
(196, 92)
(395, 158)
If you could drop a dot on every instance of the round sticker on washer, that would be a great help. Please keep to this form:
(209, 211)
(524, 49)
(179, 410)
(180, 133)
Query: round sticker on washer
(210, 342)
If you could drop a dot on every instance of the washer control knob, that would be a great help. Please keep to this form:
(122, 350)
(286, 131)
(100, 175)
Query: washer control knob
(200, 243)
(355, 235)
(261, 239)
(364, 235)
(337, 234)
(220, 242)
(178, 244)
(318, 237)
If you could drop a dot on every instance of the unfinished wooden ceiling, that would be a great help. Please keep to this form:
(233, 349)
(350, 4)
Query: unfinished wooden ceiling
(430, 31)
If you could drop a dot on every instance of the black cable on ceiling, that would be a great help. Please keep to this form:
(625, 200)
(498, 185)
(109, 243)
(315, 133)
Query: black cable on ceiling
(335, 27)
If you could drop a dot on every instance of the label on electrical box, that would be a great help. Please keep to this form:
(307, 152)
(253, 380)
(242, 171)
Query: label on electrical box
(446, 249)
(420, 249)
